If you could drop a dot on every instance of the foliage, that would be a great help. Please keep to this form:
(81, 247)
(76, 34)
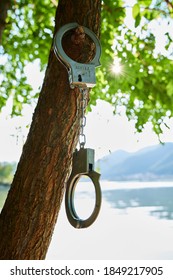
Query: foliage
(6, 172)
(27, 37)
(145, 85)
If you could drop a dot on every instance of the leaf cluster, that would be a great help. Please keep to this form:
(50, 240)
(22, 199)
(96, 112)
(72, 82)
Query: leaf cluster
(6, 172)
(27, 37)
(145, 84)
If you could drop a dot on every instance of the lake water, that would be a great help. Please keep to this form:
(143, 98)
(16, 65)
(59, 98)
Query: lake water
(135, 222)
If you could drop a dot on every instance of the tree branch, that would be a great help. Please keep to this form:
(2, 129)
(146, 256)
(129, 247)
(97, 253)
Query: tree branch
(169, 4)
(4, 7)
(151, 9)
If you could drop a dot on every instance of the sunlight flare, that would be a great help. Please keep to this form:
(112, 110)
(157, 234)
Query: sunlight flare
(116, 67)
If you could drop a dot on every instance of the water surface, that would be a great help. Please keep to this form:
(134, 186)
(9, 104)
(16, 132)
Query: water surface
(135, 222)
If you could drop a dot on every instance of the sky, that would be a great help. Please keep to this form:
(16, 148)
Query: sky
(104, 132)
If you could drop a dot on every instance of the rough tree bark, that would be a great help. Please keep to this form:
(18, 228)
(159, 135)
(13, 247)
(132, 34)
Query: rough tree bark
(5, 5)
(30, 212)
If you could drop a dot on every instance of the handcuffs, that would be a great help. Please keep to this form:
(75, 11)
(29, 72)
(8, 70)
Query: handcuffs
(83, 164)
(82, 76)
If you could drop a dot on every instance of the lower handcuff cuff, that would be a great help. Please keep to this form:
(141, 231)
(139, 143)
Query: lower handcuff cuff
(83, 165)
(82, 76)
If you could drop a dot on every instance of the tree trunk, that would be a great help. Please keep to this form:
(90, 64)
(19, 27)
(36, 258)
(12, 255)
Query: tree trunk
(30, 212)
(5, 5)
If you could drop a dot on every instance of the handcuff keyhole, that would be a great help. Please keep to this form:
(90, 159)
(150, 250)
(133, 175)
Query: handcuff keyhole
(90, 167)
(79, 78)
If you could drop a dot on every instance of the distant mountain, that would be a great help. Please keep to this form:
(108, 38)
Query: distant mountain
(152, 163)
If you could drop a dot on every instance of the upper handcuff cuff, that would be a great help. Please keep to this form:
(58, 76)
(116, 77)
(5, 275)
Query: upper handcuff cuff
(82, 76)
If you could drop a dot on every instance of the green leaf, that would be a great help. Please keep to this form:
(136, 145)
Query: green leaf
(137, 20)
(169, 88)
(135, 10)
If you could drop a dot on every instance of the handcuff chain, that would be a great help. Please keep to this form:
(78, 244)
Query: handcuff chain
(84, 101)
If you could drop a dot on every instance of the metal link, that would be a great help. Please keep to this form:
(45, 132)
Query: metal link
(82, 137)
(83, 122)
(82, 140)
